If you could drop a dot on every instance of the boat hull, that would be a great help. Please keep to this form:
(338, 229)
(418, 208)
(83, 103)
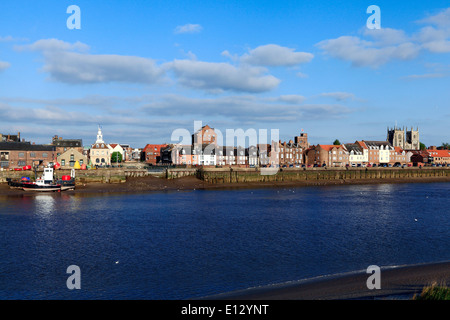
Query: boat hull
(37, 188)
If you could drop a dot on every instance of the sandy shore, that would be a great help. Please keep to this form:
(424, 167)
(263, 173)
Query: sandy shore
(150, 183)
(396, 283)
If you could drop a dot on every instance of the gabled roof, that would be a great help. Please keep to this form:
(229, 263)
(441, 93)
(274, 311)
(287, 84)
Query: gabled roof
(328, 147)
(439, 153)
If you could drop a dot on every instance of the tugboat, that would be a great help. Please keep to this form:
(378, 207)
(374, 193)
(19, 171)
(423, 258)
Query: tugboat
(44, 183)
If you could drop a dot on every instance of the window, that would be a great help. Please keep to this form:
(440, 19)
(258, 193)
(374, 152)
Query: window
(21, 163)
(97, 160)
(33, 155)
(81, 161)
(72, 157)
(21, 155)
(63, 162)
(44, 155)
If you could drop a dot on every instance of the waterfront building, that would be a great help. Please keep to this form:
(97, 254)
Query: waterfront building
(152, 153)
(439, 157)
(379, 151)
(115, 147)
(62, 145)
(20, 154)
(290, 153)
(100, 153)
(68, 158)
(328, 155)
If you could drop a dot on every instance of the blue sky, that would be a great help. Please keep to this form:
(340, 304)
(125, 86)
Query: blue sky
(142, 69)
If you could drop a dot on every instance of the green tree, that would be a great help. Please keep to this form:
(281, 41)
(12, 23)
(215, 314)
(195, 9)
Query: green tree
(116, 157)
(445, 145)
(337, 142)
(423, 146)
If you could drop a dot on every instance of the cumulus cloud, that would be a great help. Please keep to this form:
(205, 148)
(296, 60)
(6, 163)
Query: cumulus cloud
(275, 55)
(245, 108)
(339, 96)
(222, 76)
(188, 28)
(64, 64)
(363, 53)
(4, 65)
(424, 76)
(377, 47)
(441, 19)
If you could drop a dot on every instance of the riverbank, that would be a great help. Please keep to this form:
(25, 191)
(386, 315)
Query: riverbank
(396, 283)
(150, 184)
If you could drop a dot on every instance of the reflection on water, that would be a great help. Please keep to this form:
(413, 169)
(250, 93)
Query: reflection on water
(44, 205)
(179, 245)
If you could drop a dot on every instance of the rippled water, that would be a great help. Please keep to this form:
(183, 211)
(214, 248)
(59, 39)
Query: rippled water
(179, 245)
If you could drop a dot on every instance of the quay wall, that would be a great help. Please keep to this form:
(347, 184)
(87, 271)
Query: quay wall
(238, 175)
(254, 175)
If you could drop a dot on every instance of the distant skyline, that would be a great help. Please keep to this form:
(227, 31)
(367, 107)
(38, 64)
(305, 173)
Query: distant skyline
(142, 69)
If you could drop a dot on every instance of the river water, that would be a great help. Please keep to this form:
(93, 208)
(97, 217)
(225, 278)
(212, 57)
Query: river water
(180, 245)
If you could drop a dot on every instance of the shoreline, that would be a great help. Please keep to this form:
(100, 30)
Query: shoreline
(151, 184)
(397, 282)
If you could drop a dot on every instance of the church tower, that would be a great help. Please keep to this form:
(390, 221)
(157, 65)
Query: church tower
(407, 140)
(412, 139)
(395, 137)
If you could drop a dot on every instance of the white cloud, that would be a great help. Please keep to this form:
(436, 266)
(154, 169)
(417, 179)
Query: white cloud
(292, 98)
(380, 46)
(434, 40)
(339, 96)
(222, 76)
(52, 45)
(441, 19)
(245, 108)
(366, 53)
(275, 55)
(425, 76)
(73, 67)
(4, 65)
(188, 28)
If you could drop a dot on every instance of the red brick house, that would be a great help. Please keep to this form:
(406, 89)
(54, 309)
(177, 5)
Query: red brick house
(152, 153)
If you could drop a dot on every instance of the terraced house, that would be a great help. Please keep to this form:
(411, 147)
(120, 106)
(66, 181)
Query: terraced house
(324, 155)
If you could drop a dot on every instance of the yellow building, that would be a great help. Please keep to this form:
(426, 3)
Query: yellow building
(69, 159)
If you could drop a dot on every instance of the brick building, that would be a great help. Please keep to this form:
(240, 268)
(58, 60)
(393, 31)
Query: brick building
(20, 154)
(290, 153)
(327, 155)
(152, 153)
(62, 145)
(205, 135)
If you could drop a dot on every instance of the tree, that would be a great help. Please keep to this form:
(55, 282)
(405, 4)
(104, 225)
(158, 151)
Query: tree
(422, 146)
(116, 157)
(445, 145)
(337, 142)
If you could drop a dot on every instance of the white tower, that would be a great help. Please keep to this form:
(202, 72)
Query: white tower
(99, 135)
